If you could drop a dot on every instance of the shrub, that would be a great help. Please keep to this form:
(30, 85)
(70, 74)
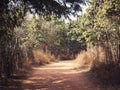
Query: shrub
(42, 57)
(91, 57)
(95, 60)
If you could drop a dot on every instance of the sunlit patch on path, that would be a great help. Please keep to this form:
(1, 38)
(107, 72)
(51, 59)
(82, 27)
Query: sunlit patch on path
(56, 76)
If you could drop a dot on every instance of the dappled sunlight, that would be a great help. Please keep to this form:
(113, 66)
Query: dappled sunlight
(58, 81)
(60, 45)
(28, 82)
(60, 66)
(58, 76)
(76, 71)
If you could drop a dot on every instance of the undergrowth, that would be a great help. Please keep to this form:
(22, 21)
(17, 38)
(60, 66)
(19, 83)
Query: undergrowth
(95, 60)
(42, 57)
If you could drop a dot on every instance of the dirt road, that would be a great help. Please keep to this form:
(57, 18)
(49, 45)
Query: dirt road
(56, 76)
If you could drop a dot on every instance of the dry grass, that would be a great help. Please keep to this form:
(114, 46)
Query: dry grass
(42, 58)
(95, 60)
(91, 57)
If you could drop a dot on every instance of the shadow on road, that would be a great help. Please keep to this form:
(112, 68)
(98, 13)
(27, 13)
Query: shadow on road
(57, 76)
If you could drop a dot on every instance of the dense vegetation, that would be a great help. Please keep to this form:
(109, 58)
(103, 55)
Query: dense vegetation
(101, 29)
(12, 41)
(20, 36)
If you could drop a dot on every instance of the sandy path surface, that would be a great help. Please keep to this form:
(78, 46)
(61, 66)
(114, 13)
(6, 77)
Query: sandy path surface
(56, 76)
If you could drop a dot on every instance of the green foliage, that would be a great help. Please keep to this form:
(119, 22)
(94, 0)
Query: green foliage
(102, 28)
(54, 36)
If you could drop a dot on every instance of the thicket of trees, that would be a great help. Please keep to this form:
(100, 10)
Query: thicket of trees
(19, 36)
(12, 13)
(54, 36)
(100, 27)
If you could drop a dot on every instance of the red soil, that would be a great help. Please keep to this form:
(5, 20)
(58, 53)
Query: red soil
(56, 76)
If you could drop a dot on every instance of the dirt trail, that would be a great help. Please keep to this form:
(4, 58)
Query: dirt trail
(56, 76)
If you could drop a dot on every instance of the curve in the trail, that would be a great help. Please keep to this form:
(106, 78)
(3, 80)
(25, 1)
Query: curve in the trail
(56, 76)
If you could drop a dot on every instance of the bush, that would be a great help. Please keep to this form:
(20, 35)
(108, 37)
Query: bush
(95, 60)
(42, 57)
(91, 57)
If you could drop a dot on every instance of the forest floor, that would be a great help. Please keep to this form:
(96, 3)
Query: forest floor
(60, 75)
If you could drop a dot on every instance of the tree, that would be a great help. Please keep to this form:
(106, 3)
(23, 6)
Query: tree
(101, 27)
(12, 13)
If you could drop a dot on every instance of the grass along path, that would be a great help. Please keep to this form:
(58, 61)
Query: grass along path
(57, 76)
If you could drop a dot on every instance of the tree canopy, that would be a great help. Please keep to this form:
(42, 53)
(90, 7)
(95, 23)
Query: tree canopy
(99, 26)
(58, 7)
(12, 12)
